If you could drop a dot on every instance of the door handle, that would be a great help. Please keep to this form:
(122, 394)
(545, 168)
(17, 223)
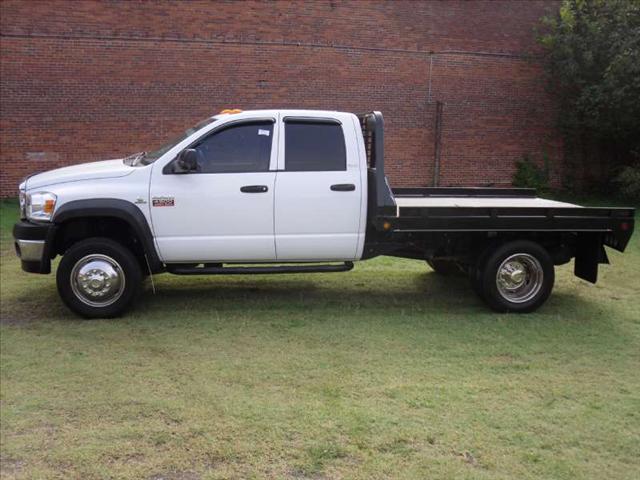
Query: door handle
(254, 189)
(343, 187)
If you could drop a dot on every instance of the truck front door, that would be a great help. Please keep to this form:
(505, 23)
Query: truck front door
(224, 210)
(318, 203)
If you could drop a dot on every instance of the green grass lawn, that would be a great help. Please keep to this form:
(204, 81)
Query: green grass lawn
(385, 372)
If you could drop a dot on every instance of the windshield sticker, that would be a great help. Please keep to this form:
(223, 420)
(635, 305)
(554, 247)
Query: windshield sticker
(263, 132)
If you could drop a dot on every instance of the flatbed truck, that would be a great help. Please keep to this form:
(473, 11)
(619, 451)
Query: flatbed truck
(292, 191)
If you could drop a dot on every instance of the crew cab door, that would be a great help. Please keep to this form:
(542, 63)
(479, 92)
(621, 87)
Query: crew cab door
(319, 192)
(224, 210)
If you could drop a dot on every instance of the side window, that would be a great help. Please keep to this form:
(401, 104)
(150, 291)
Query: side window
(245, 147)
(313, 146)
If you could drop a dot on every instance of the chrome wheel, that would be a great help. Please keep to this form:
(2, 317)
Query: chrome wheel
(519, 278)
(97, 280)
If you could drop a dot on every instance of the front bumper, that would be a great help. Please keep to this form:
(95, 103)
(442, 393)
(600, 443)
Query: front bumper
(33, 243)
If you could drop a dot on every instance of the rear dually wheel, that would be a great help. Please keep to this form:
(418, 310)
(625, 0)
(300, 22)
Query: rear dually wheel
(517, 277)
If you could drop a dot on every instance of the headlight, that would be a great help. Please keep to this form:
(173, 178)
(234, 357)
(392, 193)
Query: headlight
(23, 204)
(40, 205)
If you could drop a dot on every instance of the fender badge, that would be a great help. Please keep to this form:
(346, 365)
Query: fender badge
(140, 201)
(162, 201)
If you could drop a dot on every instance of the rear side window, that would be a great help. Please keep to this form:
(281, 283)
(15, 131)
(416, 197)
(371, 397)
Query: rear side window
(244, 147)
(314, 146)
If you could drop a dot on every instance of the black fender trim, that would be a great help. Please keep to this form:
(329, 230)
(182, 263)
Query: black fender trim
(116, 208)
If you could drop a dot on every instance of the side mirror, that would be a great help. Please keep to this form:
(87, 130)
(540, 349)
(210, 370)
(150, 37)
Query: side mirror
(187, 161)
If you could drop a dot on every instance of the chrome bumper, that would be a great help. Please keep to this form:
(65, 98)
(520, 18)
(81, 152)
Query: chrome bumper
(33, 242)
(30, 250)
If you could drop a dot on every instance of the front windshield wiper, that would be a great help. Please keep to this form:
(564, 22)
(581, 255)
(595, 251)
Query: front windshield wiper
(139, 159)
(133, 156)
(134, 159)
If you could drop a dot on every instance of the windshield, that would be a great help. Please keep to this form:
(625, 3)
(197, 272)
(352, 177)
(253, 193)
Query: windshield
(151, 157)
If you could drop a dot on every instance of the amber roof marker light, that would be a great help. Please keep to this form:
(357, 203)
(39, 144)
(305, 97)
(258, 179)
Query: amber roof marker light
(230, 111)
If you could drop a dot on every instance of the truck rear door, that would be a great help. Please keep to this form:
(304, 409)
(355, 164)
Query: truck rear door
(319, 189)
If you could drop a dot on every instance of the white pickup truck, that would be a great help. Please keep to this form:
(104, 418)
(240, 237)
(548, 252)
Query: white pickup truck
(290, 191)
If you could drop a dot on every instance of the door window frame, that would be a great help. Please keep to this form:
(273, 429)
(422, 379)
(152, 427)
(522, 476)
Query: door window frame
(282, 165)
(273, 155)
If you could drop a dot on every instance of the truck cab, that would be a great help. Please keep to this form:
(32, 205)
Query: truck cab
(263, 186)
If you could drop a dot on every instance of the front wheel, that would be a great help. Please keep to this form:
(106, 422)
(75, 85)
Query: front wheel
(98, 278)
(517, 277)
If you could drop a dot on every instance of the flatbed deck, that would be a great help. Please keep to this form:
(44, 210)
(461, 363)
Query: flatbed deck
(503, 210)
(485, 202)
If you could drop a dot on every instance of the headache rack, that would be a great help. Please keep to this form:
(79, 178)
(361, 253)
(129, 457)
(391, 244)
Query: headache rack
(381, 200)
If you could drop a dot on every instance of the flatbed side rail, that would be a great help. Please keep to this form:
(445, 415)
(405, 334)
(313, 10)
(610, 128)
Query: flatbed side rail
(616, 223)
(475, 192)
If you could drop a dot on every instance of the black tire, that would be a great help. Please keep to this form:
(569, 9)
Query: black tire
(444, 267)
(538, 281)
(129, 277)
(476, 269)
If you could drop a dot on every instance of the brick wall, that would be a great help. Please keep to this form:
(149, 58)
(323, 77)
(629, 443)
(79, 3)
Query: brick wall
(87, 80)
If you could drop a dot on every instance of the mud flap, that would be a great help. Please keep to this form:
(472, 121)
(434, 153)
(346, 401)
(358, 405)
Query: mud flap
(589, 253)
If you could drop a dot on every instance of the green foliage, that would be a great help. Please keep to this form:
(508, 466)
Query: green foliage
(592, 57)
(530, 175)
(628, 181)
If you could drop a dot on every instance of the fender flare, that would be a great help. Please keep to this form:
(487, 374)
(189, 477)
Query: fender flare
(116, 208)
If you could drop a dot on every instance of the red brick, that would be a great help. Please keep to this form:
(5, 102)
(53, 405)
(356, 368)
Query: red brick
(86, 80)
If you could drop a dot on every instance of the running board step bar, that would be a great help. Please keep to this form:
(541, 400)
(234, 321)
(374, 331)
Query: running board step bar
(218, 269)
